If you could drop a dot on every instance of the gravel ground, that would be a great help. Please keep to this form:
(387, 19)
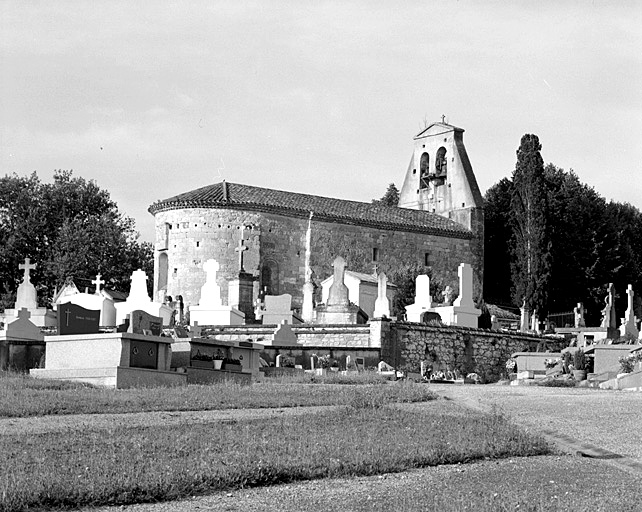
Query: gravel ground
(551, 483)
(609, 419)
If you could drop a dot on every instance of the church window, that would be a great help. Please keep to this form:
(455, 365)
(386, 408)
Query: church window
(270, 277)
(427, 259)
(198, 244)
(162, 271)
(375, 254)
(424, 167)
(440, 163)
(175, 271)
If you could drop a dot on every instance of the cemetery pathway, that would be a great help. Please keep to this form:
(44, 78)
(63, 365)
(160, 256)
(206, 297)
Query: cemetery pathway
(610, 420)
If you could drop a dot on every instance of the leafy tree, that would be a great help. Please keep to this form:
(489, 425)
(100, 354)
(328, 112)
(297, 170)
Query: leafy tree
(497, 242)
(390, 198)
(530, 267)
(69, 227)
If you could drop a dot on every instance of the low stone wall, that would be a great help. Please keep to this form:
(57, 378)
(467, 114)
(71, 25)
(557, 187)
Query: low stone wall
(481, 351)
(308, 335)
(302, 355)
(403, 345)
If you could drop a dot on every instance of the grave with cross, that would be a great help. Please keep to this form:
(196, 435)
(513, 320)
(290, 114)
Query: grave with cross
(138, 299)
(210, 309)
(21, 344)
(96, 301)
(27, 298)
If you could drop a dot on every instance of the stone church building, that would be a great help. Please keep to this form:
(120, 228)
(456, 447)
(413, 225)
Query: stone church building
(439, 223)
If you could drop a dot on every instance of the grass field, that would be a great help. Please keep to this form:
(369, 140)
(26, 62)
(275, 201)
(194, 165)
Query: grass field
(124, 465)
(22, 396)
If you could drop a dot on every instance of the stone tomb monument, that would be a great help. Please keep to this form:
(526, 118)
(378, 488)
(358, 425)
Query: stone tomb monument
(210, 309)
(423, 300)
(278, 308)
(382, 304)
(116, 359)
(363, 290)
(92, 301)
(74, 319)
(22, 345)
(463, 312)
(628, 326)
(138, 299)
(338, 309)
(27, 298)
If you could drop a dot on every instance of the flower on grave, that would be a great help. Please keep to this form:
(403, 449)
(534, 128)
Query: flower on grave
(474, 377)
(511, 364)
(627, 363)
(324, 362)
(551, 363)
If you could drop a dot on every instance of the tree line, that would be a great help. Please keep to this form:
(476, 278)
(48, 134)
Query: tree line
(69, 228)
(552, 241)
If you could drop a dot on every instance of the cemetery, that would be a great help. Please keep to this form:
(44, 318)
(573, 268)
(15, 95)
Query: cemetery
(138, 342)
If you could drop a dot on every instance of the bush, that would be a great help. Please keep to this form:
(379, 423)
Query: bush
(557, 383)
(579, 360)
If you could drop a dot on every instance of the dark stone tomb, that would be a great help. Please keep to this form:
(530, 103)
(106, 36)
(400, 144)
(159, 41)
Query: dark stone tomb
(74, 319)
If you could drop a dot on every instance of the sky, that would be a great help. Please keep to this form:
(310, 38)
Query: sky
(154, 98)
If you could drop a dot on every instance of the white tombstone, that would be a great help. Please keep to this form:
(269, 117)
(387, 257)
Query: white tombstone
(523, 321)
(629, 326)
(423, 300)
(138, 299)
(382, 304)
(279, 360)
(494, 323)
(210, 309)
(463, 312)
(27, 298)
(278, 308)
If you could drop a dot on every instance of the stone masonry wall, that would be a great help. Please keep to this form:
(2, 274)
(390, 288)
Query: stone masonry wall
(327, 336)
(449, 348)
(186, 238)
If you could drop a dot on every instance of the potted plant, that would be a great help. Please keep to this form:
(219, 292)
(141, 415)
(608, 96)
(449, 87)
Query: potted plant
(232, 365)
(579, 365)
(218, 359)
(201, 360)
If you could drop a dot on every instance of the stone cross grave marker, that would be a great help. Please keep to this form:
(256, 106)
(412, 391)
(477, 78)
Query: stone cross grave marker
(27, 267)
(98, 281)
(382, 305)
(211, 291)
(241, 249)
(465, 298)
(26, 296)
(338, 293)
(422, 291)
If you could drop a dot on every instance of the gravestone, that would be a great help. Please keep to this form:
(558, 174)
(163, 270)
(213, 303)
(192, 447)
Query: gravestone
(338, 309)
(74, 319)
(138, 299)
(21, 344)
(423, 300)
(284, 335)
(278, 308)
(578, 313)
(463, 312)
(141, 322)
(629, 326)
(382, 304)
(609, 318)
(338, 295)
(27, 298)
(210, 309)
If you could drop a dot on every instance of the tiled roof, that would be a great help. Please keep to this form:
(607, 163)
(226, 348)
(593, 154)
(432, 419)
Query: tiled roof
(245, 197)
